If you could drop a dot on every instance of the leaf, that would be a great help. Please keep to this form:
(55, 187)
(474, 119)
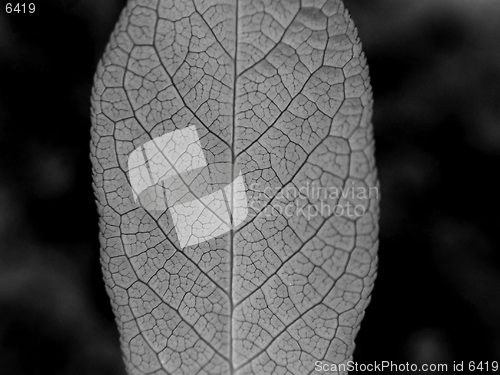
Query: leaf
(276, 97)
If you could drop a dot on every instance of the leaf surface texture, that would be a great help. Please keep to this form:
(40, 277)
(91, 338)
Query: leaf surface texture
(280, 91)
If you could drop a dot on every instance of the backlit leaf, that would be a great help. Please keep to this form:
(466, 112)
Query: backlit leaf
(233, 165)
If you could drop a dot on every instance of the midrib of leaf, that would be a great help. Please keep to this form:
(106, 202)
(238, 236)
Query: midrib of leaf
(233, 160)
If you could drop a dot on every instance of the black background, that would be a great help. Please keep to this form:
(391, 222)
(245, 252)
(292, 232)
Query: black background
(435, 68)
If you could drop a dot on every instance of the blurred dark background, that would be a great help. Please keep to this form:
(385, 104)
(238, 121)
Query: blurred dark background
(435, 68)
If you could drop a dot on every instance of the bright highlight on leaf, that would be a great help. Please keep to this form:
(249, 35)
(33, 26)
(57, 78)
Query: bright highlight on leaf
(172, 153)
(197, 215)
(215, 125)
